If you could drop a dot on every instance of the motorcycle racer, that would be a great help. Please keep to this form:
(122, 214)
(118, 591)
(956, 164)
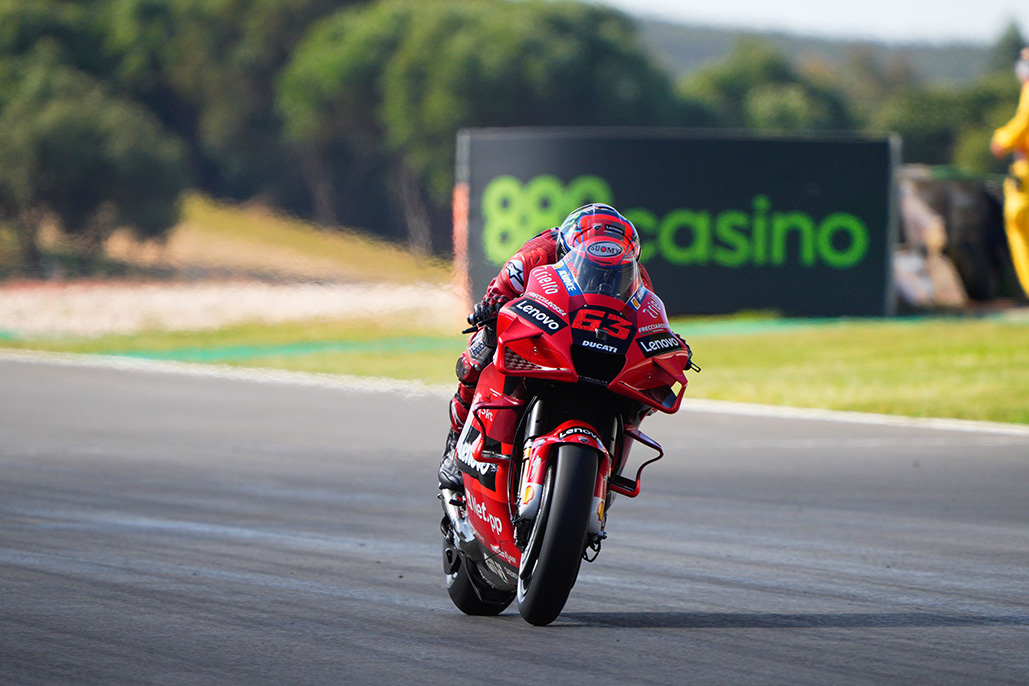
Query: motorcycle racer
(547, 247)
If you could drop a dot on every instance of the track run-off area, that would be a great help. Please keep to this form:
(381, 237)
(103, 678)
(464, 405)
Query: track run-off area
(168, 523)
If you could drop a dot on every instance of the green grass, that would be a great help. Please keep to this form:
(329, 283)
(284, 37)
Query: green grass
(936, 367)
(361, 256)
(931, 367)
(356, 347)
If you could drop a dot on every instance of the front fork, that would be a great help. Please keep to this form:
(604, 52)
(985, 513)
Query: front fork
(536, 456)
(538, 450)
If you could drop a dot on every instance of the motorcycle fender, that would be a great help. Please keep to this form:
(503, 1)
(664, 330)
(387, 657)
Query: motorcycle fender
(540, 449)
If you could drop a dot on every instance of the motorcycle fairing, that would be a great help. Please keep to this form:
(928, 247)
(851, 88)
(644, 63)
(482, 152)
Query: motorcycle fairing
(483, 456)
(639, 354)
(469, 446)
(540, 451)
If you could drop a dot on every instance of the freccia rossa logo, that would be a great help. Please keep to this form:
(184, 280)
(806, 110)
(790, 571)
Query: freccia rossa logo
(759, 235)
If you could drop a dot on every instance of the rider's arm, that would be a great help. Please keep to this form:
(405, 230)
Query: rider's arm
(510, 282)
(1015, 134)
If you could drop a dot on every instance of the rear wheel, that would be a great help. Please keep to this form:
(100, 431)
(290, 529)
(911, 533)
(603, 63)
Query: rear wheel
(553, 553)
(467, 589)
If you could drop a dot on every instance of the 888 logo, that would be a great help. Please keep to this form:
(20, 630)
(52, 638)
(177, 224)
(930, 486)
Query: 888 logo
(513, 212)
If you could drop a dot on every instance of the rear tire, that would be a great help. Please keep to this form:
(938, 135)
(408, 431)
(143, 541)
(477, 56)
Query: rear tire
(471, 593)
(553, 553)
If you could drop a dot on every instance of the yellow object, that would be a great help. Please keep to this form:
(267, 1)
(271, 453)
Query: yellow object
(1016, 221)
(1014, 137)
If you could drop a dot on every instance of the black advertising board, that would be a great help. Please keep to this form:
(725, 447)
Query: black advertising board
(801, 226)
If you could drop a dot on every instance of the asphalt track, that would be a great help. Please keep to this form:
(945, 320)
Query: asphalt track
(158, 527)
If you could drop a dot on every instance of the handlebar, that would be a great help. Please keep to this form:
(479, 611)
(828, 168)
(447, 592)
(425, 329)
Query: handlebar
(476, 326)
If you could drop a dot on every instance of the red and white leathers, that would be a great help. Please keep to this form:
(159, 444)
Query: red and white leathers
(508, 284)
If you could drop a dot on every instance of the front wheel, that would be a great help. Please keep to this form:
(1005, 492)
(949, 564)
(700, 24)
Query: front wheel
(553, 553)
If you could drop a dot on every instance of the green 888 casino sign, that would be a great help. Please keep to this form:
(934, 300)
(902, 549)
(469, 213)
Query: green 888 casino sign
(513, 211)
(800, 226)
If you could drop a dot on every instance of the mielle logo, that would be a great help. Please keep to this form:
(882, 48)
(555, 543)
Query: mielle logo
(513, 212)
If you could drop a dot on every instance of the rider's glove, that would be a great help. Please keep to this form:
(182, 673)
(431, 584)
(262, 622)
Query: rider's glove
(486, 310)
(689, 352)
(685, 345)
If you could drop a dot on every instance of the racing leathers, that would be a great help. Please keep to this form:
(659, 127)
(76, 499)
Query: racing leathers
(508, 284)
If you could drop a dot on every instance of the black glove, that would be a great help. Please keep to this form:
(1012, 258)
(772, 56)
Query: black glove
(689, 353)
(685, 346)
(486, 310)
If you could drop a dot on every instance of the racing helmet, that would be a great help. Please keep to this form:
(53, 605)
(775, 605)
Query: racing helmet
(598, 224)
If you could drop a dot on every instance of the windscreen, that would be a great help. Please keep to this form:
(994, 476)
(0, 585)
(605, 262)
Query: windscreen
(616, 280)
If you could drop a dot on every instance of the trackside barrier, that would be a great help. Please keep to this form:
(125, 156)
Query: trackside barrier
(802, 226)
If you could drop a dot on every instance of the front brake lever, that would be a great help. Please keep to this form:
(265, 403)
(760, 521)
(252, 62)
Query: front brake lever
(475, 327)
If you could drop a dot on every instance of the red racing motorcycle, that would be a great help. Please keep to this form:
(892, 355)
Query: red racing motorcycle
(581, 358)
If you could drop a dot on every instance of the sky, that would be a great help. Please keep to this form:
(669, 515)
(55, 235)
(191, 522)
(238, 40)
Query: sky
(968, 21)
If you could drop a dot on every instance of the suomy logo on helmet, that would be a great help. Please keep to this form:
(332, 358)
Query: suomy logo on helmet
(604, 249)
(513, 212)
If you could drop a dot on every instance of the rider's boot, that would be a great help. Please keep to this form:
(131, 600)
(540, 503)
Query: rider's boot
(449, 475)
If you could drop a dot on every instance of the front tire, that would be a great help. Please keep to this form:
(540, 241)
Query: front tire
(553, 553)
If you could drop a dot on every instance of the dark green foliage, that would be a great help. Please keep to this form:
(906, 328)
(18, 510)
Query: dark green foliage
(347, 110)
(925, 120)
(82, 158)
(946, 125)
(399, 80)
(1005, 50)
(501, 64)
(986, 105)
(757, 88)
(68, 27)
(209, 67)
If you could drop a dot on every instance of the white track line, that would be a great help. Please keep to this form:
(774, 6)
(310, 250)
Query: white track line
(334, 381)
(756, 410)
(418, 388)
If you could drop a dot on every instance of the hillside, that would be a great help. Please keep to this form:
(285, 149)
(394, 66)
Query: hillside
(685, 48)
(253, 241)
(232, 265)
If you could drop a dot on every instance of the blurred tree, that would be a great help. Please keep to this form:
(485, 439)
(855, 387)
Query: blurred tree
(724, 85)
(400, 79)
(1004, 51)
(866, 80)
(926, 119)
(73, 154)
(985, 105)
(779, 108)
(69, 26)
(208, 68)
(143, 40)
(949, 125)
(757, 87)
(330, 97)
